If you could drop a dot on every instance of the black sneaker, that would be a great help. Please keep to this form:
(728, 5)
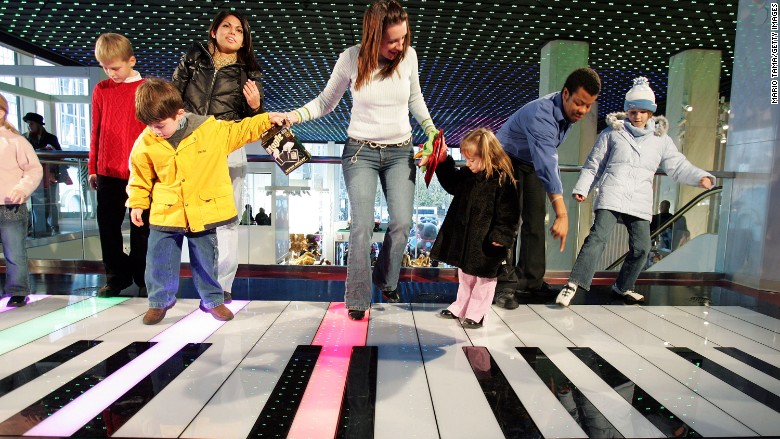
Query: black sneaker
(17, 301)
(391, 296)
(506, 299)
(544, 290)
(471, 324)
(355, 314)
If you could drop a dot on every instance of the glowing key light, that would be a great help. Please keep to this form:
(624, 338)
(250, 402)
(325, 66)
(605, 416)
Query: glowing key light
(194, 328)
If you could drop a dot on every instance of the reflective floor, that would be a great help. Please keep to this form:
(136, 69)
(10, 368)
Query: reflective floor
(695, 361)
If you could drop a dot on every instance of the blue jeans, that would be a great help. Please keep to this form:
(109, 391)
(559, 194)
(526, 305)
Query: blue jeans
(163, 261)
(13, 231)
(395, 169)
(591, 251)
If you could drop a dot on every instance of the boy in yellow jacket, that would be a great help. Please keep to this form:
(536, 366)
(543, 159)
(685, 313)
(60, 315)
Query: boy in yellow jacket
(178, 168)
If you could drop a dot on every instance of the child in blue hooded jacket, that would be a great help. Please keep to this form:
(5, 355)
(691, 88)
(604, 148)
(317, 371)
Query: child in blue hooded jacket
(622, 165)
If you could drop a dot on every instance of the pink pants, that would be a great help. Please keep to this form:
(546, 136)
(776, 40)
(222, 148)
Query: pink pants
(475, 295)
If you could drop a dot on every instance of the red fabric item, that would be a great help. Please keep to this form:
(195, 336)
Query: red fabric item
(114, 128)
(436, 156)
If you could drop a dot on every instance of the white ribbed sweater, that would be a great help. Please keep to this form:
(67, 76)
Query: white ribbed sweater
(380, 109)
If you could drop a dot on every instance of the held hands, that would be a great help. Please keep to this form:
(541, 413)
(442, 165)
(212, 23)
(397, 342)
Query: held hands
(705, 182)
(135, 217)
(427, 149)
(277, 118)
(292, 118)
(252, 95)
(15, 197)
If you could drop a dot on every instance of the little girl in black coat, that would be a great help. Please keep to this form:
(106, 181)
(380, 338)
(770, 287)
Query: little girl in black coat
(481, 222)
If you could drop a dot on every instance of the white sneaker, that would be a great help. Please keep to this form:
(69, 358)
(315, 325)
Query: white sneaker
(630, 295)
(566, 294)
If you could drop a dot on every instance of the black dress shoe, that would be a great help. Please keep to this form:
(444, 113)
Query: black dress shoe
(355, 314)
(544, 290)
(391, 296)
(447, 314)
(506, 299)
(228, 298)
(17, 301)
(471, 324)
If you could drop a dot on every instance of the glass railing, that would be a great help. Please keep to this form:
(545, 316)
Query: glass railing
(308, 213)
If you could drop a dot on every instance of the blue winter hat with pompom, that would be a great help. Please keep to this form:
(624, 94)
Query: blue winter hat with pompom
(640, 96)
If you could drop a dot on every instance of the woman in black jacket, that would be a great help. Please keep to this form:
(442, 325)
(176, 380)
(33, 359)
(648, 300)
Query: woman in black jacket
(480, 225)
(222, 78)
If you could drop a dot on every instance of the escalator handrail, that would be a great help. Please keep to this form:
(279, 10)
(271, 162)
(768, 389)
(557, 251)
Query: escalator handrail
(690, 205)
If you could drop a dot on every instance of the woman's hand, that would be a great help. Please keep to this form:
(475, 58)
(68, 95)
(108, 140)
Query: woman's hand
(425, 158)
(292, 118)
(705, 182)
(252, 95)
(579, 198)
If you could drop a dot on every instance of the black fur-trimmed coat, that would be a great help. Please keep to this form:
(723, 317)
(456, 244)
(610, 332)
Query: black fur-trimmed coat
(481, 212)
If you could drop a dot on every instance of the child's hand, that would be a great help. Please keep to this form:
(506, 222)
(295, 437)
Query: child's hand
(135, 217)
(252, 95)
(15, 197)
(92, 179)
(579, 198)
(705, 182)
(277, 118)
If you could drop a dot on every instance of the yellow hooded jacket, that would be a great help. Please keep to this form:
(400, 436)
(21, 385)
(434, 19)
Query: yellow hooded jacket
(188, 188)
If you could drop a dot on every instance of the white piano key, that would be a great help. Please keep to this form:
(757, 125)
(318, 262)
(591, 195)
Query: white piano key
(403, 402)
(233, 410)
(715, 333)
(745, 328)
(637, 336)
(165, 415)
(535, 331)
(547, 412)
(700, 414)
(132, 331)
(37, 309)
(460, 405)
(748, 315)
(92, 328)
(680, 337)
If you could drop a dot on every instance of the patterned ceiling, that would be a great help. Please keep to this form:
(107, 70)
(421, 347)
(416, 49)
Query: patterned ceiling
(479, 60)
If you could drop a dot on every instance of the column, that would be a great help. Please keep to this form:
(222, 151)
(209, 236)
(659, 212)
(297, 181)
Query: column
(692, 109)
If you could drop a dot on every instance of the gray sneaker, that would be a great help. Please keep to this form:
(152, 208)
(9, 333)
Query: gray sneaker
(566, 294)
(506, 299)
(630, 296)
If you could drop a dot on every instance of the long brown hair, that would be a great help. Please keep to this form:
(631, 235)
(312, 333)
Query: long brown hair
(245, 54)
(378, 16)
(482, 143)
(4, 122)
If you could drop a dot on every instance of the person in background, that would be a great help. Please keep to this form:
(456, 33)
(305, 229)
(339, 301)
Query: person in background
(45, 199)
(20, 175)
(179, 171)
(382, 75)
(221, 78)
(114, 130)
(531, 137)
(247, 218)
(622, 166)
(262, 218)
(480, 225)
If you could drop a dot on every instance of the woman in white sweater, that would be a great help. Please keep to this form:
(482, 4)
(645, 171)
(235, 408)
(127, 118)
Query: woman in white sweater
(20, 174)
(381, 73)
